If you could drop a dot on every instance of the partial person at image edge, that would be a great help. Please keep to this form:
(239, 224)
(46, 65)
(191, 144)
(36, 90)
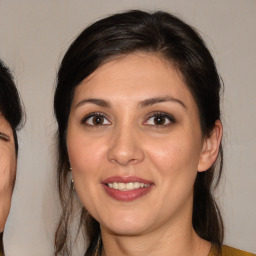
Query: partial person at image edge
(11, 117)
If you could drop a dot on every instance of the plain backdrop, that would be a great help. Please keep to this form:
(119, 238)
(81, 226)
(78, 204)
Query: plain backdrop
(34, 35)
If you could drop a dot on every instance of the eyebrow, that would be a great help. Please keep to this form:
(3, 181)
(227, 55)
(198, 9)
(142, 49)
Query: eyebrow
(152, 101)
(142, 104)
(99, 102)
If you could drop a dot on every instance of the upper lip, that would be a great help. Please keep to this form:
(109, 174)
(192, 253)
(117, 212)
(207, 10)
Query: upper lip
(125, 180)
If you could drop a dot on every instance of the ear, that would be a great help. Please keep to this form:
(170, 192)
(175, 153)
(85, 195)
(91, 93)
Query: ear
(210, 148)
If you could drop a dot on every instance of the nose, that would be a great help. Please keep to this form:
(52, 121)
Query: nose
(125, 147)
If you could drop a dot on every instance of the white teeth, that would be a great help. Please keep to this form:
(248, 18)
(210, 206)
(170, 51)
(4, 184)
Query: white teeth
(136, 185)
(127, 186)
(121, 186)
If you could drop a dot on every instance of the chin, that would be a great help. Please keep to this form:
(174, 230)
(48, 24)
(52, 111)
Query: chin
(127, 226)
(126, 231)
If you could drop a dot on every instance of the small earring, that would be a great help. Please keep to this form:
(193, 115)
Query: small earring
(72, 184)
(72, 181)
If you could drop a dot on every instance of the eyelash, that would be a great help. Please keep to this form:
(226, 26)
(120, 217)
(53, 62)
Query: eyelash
(170, 118)
(4, 137)
(92, 115)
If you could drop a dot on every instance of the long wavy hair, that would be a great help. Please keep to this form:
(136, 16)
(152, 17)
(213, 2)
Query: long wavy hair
(11, 109)
(119, 35)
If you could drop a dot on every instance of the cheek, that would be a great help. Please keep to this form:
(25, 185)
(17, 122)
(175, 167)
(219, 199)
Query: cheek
(174, 168)
(83, 150)
(7, 169)
(86, 156)
(176, 155)
(7, 180)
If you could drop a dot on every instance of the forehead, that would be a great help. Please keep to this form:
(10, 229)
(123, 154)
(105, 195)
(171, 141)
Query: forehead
(5, 126)
(134, 77)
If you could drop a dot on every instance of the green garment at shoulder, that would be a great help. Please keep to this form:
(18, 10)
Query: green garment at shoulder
(229, 251)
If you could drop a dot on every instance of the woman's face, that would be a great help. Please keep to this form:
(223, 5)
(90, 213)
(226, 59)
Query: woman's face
(135, 145)
(7, 169)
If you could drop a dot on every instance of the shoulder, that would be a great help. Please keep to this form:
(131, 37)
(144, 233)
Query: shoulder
(229, 251)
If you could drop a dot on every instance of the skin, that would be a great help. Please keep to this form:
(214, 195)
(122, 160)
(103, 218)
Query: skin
(7, 169)
(129, 143)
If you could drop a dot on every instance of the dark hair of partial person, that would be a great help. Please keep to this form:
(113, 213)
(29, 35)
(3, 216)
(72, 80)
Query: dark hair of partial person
(173, 40)
(1, 244)
(10, 103)
(10, 109)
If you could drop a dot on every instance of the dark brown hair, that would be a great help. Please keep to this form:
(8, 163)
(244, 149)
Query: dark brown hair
(1, 244)
(121, 34)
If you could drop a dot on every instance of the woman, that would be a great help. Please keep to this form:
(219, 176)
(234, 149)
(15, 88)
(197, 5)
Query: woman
(137, 106)
(10, 121)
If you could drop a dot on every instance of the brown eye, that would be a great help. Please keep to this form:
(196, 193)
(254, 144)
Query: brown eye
(160, 119)
(96, 119)
(4, 136)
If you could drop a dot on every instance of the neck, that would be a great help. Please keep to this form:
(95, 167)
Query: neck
(178, 239)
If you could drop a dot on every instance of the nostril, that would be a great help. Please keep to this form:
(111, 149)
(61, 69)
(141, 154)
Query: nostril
(125, 161)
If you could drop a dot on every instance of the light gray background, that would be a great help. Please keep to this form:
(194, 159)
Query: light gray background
(33, 38)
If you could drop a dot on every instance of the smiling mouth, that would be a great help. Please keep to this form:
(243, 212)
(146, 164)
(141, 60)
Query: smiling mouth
(127, 186)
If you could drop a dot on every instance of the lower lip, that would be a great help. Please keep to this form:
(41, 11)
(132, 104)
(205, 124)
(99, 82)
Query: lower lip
(126, 195)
